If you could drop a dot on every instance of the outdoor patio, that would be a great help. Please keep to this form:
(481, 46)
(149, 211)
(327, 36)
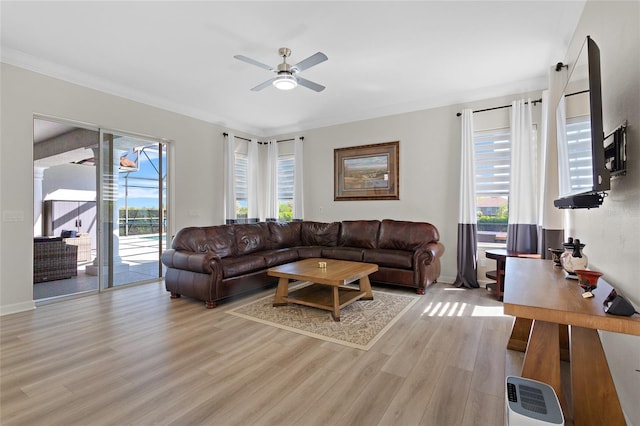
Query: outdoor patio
(139, 252)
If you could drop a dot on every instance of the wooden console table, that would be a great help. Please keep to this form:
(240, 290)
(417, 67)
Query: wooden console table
(544, 301)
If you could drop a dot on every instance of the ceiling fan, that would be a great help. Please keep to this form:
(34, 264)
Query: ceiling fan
(287, 77)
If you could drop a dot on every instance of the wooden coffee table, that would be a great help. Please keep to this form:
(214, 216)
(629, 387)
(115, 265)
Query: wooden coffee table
(328, 291)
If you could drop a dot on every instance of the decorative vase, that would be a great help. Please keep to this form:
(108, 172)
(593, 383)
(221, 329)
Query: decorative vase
(587, 279)
(555, 255)
(573, 258)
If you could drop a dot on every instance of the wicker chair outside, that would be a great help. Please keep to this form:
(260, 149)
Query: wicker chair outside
(53, 259)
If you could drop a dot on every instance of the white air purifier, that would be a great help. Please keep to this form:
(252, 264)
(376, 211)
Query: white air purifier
(531, 403)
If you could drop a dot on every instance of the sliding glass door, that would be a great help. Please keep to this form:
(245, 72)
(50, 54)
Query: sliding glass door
(132, 208)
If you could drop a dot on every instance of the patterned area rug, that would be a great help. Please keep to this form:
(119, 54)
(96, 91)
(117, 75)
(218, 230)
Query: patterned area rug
(361, 324)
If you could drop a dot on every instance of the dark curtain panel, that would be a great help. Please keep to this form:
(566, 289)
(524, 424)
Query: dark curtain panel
(549, 238)
(522, 238)
(467, 252)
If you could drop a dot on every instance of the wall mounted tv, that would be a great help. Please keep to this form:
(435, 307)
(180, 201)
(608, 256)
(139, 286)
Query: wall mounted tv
(582, 174)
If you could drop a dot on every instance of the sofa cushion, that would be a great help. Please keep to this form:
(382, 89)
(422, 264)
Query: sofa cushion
(218, 239)
(359, 233)
(284, 234)
(343, 253)
(319, 233)
(278, 256)
(389, 258)
(306, 252)
(234, 266)
(404, 235)
(251, 238)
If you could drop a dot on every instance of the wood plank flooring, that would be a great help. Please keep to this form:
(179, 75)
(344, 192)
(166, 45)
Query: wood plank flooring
(136, 357)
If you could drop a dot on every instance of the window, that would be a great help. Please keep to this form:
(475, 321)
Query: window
(286, 169)
(493, 167)
(579, 152)
(241, 187)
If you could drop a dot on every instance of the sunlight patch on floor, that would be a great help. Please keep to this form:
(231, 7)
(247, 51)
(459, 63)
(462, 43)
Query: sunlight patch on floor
(448, 309)
(487, 311)
(457, 309)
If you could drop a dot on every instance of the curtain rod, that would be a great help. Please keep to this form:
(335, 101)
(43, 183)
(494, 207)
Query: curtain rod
(262, 143)
(499, 107)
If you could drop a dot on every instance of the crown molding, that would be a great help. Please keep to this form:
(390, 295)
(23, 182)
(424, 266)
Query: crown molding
(73, 76)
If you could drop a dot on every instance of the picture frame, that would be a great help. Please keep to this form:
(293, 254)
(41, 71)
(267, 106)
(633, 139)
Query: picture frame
(367, 172)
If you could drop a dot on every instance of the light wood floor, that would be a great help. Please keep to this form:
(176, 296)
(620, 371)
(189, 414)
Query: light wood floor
(134, 356)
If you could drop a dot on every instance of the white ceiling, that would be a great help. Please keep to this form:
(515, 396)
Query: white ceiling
(384, 57)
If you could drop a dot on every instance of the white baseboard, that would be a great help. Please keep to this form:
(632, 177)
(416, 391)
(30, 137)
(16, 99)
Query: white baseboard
(444, 279)
(17, 307)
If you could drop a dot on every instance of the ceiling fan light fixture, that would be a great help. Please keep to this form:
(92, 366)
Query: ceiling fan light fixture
(285, 82)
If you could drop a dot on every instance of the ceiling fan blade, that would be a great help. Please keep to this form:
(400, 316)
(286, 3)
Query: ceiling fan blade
(310, 84)
(263, 85)
(253, 62)
(309, 62)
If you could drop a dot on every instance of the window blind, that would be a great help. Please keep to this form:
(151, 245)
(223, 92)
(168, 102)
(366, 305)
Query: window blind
(579, 151)
(285, 177)
(492, 151)
(240, 178)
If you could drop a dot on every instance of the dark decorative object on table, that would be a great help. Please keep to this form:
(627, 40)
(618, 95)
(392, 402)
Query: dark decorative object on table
(555, 255)
(573, 258)
(615, 304)
(588, 279)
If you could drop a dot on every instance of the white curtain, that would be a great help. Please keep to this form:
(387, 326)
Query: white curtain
(298, 201)
(522, 233)
(253, 162)
(229, 174)
(467, 215)
(563, 155)
(544, 146)
(271, 211)
(550, 232)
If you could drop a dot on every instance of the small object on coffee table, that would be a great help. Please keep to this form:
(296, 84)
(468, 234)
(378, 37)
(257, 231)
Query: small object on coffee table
(328, 291)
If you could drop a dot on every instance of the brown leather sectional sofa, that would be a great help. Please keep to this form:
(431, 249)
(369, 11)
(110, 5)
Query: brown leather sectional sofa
(216, 262)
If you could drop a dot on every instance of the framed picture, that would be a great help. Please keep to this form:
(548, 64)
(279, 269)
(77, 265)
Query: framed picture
(367, 172)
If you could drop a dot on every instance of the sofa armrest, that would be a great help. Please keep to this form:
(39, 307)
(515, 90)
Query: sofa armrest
(436, 249)
(204, 263)
(429, 253)
(426, 261)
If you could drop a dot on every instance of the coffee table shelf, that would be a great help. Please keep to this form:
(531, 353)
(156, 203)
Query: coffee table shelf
(321, 296)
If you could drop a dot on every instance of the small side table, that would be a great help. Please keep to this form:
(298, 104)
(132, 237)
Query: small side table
(500, 256)
(83, 241)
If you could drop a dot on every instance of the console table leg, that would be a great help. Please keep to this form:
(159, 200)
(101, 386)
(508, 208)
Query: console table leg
(595, 400)
(520, 334)
(542, 359)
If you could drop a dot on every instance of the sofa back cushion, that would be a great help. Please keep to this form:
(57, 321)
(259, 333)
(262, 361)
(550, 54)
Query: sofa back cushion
(319, 233)
(359, 233)
(284, 234)
(217, 239)
(405, 235)
(251, 238)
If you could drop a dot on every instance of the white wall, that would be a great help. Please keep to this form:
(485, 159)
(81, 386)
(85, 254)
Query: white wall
(196, 147)
(429, 167)
(69, 176)
(429, 153)
(612, 232)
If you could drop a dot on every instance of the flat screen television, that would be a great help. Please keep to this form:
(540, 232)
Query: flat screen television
(582, 174)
